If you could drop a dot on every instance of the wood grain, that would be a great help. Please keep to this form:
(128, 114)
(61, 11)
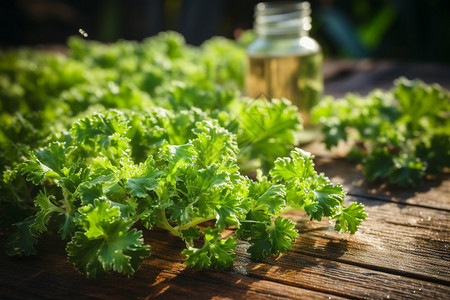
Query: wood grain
(401, 251)
(50, 276)
(399, 239)
(343, 279)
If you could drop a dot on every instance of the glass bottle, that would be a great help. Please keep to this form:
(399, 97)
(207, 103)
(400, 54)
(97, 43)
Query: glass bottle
(284, 61)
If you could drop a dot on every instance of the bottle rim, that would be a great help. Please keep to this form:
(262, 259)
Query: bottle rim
(282, 18)
(271, 8)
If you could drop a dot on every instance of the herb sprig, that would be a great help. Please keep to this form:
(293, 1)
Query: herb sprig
(402, 135)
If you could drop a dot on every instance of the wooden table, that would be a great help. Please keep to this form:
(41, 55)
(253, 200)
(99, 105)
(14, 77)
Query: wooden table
(402, 250)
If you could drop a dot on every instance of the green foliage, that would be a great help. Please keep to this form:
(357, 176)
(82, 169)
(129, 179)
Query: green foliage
(106, 242)
(100, 192)
(401, 135)
(267, 240)
(43, 94)
(265, 128)
(216, 252)
(152, 133)
(22, 242)
(350, 218)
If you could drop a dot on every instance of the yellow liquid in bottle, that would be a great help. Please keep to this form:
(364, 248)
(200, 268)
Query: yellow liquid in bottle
(297, 78)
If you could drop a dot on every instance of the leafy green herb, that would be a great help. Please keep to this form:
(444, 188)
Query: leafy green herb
(101, 191)
(401, 135)
(44, 93)
(153, 133)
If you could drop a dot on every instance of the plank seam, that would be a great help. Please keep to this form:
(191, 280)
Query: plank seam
(391, 200)
(306, 287)
(383, 269)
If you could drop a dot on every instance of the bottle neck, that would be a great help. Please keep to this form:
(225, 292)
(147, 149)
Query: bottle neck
(283, 20)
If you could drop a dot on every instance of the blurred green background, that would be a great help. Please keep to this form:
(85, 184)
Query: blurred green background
(391, 29)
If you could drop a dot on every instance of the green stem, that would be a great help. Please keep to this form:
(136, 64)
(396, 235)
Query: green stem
(194, 222)
(66, 202)
(249, 166)
(59, 210)
(289, 209)
(163, 223)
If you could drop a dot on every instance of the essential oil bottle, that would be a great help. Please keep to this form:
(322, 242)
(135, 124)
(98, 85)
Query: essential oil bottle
(284, 61)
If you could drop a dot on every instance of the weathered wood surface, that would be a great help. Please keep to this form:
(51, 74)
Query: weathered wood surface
(402, 251)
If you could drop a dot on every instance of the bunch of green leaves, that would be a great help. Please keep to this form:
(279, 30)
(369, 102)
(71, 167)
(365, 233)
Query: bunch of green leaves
(163, 58)
(42, 93)
(264, 130)
(401, 135)
(101, 178)
(30, 83)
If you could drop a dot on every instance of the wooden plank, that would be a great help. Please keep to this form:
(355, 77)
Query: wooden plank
(163, 275)
(50, 276)
(330, 276)
(319, 242)
(231, 285)
(400, 251)
(433, 193)
(339, 278)
(321, 261)
(398, 239)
